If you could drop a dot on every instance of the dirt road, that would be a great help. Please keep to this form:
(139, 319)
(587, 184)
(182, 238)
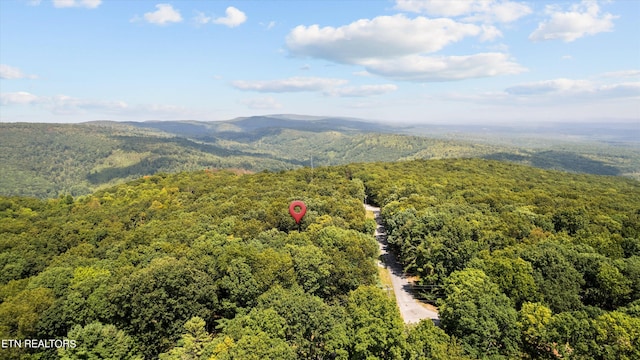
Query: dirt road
(412, 310)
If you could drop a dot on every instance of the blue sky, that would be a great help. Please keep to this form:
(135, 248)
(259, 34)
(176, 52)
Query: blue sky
(405, 61)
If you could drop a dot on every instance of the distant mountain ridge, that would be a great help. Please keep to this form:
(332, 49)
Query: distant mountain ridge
(46, 160)
(262, 123)
(606, 131)
(610, 132)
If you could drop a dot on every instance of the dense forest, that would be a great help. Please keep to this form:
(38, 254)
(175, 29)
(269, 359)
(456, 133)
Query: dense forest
(522, 262)
(48, 160)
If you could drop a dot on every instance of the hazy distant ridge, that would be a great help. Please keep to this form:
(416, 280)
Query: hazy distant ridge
(46, 160)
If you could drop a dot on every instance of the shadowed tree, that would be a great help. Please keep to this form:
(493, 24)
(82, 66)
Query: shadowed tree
(475, 311)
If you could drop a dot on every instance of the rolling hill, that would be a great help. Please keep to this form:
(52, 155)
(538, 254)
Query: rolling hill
(48, 160)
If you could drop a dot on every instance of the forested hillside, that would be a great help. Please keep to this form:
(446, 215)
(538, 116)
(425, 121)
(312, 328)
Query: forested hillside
(49, 160)
(46, 160)
(526, 263)
(206, 263)
(520, 260)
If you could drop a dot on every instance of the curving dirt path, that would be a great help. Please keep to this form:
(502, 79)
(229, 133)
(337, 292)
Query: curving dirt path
(412, 310)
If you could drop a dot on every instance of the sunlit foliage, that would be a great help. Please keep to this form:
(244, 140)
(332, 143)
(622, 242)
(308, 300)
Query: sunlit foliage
(523, 263)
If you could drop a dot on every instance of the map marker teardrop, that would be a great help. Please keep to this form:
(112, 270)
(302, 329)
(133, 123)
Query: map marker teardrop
(297, 216)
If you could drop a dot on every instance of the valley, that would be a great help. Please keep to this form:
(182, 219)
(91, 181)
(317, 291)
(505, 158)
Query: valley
(49, 160)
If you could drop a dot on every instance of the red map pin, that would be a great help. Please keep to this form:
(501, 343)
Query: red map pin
(297, 216)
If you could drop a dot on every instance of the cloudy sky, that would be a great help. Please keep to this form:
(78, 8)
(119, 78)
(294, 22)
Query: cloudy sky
(427, 61)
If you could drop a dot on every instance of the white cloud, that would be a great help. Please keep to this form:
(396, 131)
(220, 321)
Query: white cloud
(164, 15)
(581, 20)
(444, 68)
(473, 10)
(397, 47)
(622, 74)
(490, 32)
(326, 86)
(621, 90)
(381, 37)
(233, 18)
(499, 106)
(268, 26)
(500, 11)
(551, 86)
(293, 84)
(262, 103)
(437, 8)
(501, 47)
(361, 91)
(363, 73)
(9, 73)
(17, 98)
(548, 100)
(575, 89)
(68, 105)
(201, 18)
(89, 4)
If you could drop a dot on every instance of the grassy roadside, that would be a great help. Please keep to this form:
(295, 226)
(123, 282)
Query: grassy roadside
(383, 273)
(385, 281)
(370, 215)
